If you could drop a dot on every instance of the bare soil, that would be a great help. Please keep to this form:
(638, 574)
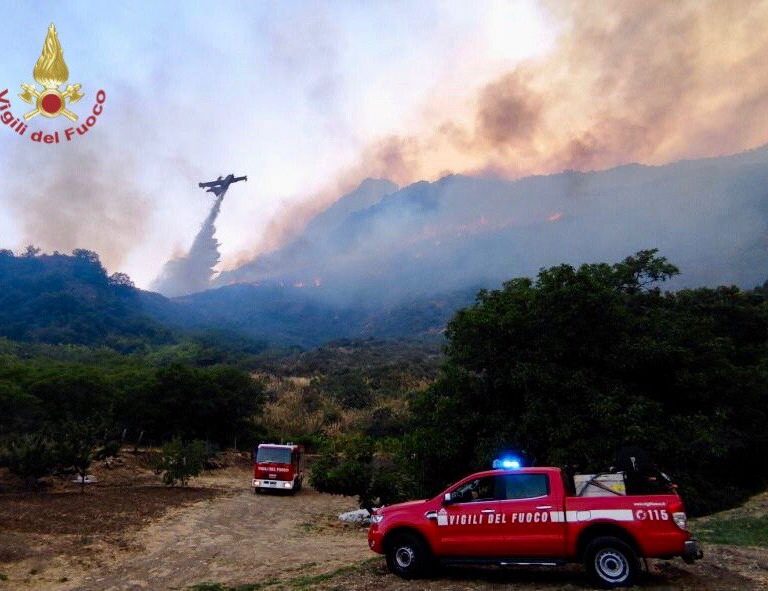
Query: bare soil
(129, 533)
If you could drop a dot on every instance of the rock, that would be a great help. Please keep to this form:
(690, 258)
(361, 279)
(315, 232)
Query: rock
(362, 516)
(87, 480)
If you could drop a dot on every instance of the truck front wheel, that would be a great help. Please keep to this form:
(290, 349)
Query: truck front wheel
(611, 563)
(407, 556)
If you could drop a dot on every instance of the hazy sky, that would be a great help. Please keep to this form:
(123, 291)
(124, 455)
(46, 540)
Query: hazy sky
(307, 98)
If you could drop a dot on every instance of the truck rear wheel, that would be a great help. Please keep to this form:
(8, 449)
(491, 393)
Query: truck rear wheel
(407, 556)
(611, 562)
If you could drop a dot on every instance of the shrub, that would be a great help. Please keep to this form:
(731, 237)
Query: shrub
(75, 443)
(31, 457)
(348, 466)
(180, 461)
(109, 449)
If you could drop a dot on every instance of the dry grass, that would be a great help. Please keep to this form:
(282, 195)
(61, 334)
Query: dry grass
(297, 409)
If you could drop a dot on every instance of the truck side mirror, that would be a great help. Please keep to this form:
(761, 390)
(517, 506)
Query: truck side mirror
(448, 499)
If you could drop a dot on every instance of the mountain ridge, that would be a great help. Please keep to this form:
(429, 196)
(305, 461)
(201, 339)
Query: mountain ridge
(705, 214)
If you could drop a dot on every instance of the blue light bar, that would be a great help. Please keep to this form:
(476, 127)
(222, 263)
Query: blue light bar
(509, 463)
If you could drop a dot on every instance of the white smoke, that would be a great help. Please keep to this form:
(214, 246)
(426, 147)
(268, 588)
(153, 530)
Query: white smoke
(193, 272)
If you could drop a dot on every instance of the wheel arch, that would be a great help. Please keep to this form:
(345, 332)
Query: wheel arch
(405, 529)
(605, 529)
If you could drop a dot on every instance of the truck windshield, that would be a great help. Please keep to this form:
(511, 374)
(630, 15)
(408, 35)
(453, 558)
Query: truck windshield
(278, 455)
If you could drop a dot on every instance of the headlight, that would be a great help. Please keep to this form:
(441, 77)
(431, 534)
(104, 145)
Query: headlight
(287, 484)
(680, 519)
(376, 518)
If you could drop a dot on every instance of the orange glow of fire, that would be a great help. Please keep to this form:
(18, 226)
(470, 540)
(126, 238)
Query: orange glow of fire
(480, 225)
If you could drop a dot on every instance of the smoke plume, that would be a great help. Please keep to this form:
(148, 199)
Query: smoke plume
(193, 272)
(646, 81)
(85, 197)
(708, 216)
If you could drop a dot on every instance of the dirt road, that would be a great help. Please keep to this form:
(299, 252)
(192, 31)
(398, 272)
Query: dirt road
(275, 542)
(240, 538)
(234, 537)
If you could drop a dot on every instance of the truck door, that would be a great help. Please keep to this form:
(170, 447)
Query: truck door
(469, 525)
(532, 513)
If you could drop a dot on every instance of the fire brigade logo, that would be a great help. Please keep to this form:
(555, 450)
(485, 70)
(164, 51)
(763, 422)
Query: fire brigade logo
(51, 73)
(51, 99)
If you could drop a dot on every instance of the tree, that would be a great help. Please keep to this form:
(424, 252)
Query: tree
(31, 251)
(121, 280)
(75, 444)
(348, 466)
(73, 393)
(348, 387)
(579, 362)
(30, 456)
(217, 404)
(87, 255)
(180, 461)
(19, 411)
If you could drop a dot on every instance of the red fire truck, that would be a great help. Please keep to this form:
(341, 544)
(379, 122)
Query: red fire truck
(533, 516)
(278, 467)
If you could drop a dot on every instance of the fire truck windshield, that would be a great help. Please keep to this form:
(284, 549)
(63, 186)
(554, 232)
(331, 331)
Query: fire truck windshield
(278, 455)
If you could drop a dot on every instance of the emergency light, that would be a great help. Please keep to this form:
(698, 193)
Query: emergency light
(507, 463)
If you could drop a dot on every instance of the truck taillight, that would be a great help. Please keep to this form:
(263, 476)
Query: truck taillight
(680, 519)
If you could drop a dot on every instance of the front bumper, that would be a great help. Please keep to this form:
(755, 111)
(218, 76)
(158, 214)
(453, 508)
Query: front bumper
(273, 484)
(375, 539)
(692, 551)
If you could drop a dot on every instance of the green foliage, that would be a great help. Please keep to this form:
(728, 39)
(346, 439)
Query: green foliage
(388, 366)
(344, 467)
(126, 394)
(348, 388)
(384, 423)
(110, 448)
(348, 466)
(18, 409)
(70, 299)
(75, 444)
(69, 445)
(30, 456)
(216, 403)
(181, 461)
(580, 362)
(72, 394)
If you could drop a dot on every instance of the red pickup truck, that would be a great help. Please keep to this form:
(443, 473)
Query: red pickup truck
(532, 516)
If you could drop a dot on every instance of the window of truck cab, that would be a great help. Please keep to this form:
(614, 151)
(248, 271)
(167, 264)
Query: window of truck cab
(276, 455)
(525, 486)
(485, 488)
(502, 487)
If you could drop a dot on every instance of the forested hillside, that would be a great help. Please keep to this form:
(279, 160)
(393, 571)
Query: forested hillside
(60, 298)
